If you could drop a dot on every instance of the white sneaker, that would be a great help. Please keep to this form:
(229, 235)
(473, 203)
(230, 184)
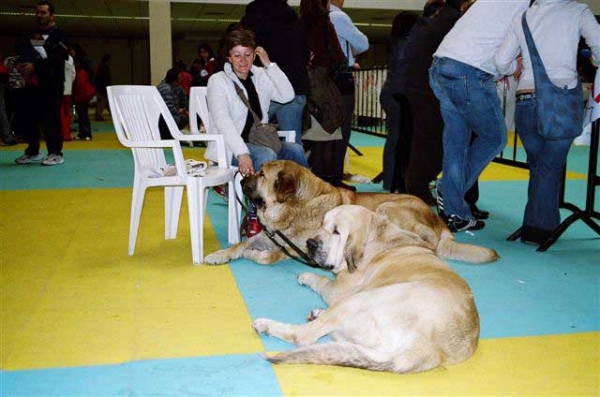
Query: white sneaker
(53, 159)
(27, 159)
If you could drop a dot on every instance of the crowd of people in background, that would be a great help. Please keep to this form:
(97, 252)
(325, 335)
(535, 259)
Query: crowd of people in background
(442, 109)
(45, 82)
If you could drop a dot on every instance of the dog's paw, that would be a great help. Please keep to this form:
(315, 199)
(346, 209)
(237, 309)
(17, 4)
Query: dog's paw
(307, 278)
(314, 314)
(261, 325)
(216, 258)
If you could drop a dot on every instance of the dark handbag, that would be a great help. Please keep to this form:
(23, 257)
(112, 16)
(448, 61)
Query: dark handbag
(344, 80)
(324, 101)
(260, 134)
(559, 110)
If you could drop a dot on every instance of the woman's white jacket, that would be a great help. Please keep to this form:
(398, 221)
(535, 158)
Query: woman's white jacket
(227, 111)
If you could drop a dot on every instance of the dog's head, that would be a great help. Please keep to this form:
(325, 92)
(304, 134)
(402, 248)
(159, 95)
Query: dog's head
(346, 231)
(280, 181)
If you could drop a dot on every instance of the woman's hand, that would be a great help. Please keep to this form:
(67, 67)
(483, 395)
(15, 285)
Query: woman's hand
(262, 54)
(245, 165)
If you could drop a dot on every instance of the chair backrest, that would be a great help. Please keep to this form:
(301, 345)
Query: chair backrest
(135, 112)
(198, 107)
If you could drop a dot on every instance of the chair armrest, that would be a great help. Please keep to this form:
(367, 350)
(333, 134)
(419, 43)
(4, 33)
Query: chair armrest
(289, 136)
(152, 144)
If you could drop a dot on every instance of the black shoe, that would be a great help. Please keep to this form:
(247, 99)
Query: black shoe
(343, 185)
(479, 214)
(457, 224)
(534, 236)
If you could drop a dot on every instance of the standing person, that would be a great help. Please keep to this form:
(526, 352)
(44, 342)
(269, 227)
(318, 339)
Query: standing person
(556, 27)
(426, 153)
(463, 77)
(353, 42)
(230, 116)
(17, 97)
(42, 58)
(397, 116)
(66, 103)
(83, 92)
(5, 134)
(322, 136)
(102, 80)
(278, 29)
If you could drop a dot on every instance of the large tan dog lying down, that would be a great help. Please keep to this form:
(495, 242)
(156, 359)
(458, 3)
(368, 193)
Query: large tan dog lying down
(393, 306)
(292, 200)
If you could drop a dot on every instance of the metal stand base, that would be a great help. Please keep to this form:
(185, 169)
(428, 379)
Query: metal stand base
(588, 214)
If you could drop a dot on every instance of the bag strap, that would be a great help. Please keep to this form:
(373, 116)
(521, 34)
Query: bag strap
(328, 44)
(242, 96)
(539, 71)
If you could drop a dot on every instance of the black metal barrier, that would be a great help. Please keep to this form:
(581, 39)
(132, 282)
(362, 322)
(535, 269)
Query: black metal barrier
(369, 117)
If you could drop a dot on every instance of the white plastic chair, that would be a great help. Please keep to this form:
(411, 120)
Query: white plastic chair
(199, 107)
(135, 112)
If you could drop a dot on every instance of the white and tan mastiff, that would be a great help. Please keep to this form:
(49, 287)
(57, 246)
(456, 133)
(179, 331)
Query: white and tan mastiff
(394, 304)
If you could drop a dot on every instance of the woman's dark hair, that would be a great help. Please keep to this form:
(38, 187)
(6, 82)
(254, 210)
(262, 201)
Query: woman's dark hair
(206, 47)
(403, 23)
(172, 75)
(432, 8)
(242, 37)
(80, 54)
(311, 10)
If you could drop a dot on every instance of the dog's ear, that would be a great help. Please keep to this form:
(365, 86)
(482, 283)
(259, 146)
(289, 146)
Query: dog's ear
(353, 253)
(284, 186)
(349, 249)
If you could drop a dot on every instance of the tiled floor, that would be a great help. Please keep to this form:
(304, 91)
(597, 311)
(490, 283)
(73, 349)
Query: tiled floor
(79, 317)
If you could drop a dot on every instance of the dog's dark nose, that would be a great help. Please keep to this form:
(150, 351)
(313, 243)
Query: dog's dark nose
(312, 245)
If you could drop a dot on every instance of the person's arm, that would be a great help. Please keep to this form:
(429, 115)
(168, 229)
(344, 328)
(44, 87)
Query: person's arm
(345, 29)
(510, 48)
(590, 30)
(336, 52)
(276, 83)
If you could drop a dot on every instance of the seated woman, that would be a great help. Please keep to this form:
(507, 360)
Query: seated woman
(231, 117)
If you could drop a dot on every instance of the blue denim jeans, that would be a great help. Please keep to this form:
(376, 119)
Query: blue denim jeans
(546, 160)
(261, 154)
(468, 103)
(289, 115)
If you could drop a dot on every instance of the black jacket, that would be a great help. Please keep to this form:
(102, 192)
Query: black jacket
(419, 55)
(50, 70)
(279, 30)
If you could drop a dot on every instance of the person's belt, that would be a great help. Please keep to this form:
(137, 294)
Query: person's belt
(526, 96)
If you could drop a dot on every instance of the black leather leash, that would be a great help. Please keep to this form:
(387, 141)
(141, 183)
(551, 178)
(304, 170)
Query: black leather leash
(302, 257)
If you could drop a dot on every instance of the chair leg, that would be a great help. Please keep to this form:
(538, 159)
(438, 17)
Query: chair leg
(173, 197)
(137, 202)
(196, 198)
(233, 213)
(238, 207)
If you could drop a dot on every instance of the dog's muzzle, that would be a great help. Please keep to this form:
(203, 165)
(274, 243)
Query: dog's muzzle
(313, 248)
(249, 189)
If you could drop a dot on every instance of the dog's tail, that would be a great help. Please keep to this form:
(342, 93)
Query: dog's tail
(449, 248)
(346, 354)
